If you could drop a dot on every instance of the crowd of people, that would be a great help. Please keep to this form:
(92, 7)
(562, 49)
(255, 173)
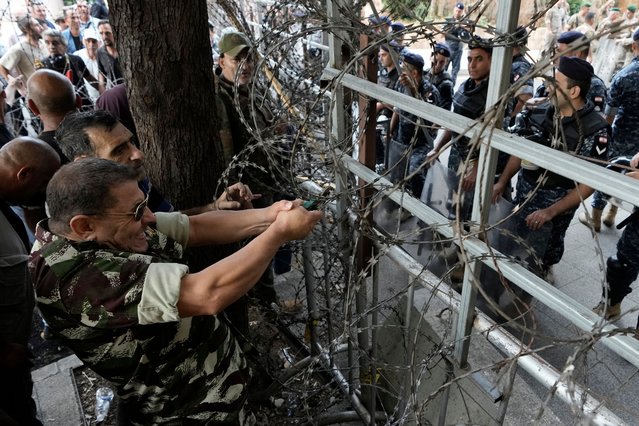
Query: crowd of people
(104, 257)
(81, 47)
(594, 122)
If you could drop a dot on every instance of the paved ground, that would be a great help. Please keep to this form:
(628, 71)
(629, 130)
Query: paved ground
(55, 393)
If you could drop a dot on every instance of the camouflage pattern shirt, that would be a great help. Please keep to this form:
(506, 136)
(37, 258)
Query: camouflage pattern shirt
(118, 312)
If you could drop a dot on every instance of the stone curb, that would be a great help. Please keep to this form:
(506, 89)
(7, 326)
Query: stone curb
(55, 393)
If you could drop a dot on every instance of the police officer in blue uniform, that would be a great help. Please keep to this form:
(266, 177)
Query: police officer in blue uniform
(439, 77)
(622, 111)
(519, 68)
(469, 101)
(597, 93)
(387, 76)
(545, 199)
(413, 136)
(622, 268)
(457, 32)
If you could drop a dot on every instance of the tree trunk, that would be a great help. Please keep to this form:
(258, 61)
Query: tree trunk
(166, 60)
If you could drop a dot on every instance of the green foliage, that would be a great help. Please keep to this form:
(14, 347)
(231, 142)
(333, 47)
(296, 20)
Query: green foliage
(407, 9)
(574, 5)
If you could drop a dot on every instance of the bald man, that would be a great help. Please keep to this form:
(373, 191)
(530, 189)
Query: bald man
(51, 97)
(26, 166)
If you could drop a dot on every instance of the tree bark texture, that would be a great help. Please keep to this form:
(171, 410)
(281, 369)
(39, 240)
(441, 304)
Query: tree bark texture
(165, 56)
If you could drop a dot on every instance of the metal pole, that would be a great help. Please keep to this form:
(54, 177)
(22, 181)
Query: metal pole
(327, 287)
(373, 351)
(337, 136)
(503, 406)
(309, 280)
(507, 14)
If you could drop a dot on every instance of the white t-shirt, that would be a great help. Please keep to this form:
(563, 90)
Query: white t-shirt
(92, 66)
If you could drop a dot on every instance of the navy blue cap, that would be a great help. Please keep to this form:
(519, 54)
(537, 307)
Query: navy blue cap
(635, 35)
(569, 36)
(459, 6)
(414, 59)
(521, 36)
(381, 19)
(398, 26)
(442, 49)
(480, 43)
(575, 68)
(393, 44)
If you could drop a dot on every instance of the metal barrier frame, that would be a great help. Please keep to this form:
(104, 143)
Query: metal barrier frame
(609, 182)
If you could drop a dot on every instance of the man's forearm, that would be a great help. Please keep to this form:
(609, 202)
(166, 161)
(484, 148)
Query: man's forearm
(4, 72)
(443, 137)
(512, 167)
(572, 199)
(101, 83)
(219, 285)
(227, 226)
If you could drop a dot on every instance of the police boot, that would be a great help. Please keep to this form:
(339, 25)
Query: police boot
(609, 220)
(595, 221)
(611, 312)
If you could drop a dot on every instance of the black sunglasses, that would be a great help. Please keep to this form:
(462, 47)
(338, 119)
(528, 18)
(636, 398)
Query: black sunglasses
(137, 214)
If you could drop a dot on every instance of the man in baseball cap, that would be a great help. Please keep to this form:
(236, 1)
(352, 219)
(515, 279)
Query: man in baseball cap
(233, 43)
(235, 57)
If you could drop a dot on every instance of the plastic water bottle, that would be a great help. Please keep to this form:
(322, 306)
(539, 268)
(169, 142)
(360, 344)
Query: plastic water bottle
(103, 398)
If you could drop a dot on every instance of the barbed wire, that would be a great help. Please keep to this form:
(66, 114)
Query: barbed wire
(304, 100)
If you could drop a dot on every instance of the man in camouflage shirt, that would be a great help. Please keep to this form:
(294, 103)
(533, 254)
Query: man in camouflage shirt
(109, 283)
(547, 201)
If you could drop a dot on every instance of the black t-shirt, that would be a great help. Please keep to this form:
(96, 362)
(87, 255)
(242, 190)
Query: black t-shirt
(77, 42)
(109, 67)
(71, 66)
(49, 137)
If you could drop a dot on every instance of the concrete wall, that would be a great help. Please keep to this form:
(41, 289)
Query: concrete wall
(415, 357)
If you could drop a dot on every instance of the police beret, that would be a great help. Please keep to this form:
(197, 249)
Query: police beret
(521, 36)
(569, 36)
(632, 8)
(393, 44)
(381, 19)
(575, 68)
(397, 26)
(442, 49)
(414, 59)
(460, 6)
(480, 43)
(635, 35)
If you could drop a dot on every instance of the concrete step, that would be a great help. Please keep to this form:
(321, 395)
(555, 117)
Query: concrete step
(55, 393)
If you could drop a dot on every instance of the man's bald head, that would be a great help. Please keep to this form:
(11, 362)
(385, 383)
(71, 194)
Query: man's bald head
(51, 93)
(26, 166)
